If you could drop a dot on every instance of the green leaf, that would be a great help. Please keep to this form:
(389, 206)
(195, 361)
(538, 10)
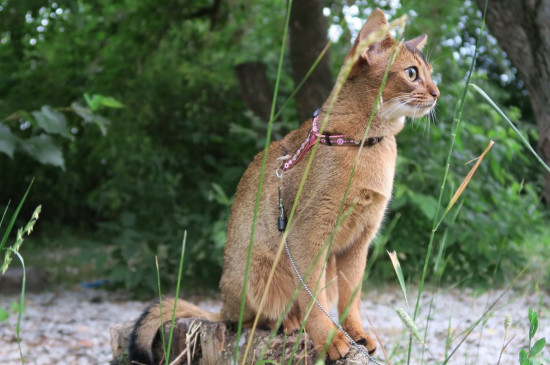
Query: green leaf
(523, 359)
(90, 101)
(533, 327)
(90, 117)
(44, 149)
(15, 307)
(532, 314)
(110, 102)
(8, 141)
(537, 347)
(83, 112)
(52, 121)
(4, 314)
(102, 123)
(426, 203)
(96, 101)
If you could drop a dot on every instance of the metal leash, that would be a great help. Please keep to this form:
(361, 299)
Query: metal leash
(282, 226)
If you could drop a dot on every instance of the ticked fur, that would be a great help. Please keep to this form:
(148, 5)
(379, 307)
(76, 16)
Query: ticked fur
(409, 92)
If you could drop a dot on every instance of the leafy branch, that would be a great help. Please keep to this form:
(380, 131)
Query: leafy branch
(50, 122)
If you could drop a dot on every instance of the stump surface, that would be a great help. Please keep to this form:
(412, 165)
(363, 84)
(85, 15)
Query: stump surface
(197, 341)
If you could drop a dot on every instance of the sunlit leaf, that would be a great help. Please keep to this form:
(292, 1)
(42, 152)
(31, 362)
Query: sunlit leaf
(110, 102)
(97, 101)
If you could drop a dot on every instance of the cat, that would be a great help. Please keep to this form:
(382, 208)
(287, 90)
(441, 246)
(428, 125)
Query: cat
(409, 92)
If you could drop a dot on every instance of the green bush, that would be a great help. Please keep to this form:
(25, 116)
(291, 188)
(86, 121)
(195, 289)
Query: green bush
(172, 157)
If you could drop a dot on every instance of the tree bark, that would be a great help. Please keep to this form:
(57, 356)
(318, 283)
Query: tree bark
(308, 37)
(255, 88)
(522, 29)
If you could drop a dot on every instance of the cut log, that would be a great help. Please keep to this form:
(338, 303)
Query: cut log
(197, 341)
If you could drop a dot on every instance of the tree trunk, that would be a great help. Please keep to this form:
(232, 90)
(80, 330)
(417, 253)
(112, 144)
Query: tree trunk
(255, 88)
(522, 29)
(308, 37)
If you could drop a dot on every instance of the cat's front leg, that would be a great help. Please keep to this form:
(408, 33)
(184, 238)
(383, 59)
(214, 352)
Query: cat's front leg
(351, 266)
(318, 326)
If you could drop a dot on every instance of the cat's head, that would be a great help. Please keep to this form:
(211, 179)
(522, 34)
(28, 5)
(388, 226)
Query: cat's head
(409, 90)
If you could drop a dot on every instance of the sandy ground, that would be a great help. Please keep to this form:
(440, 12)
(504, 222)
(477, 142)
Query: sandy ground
(71, 327)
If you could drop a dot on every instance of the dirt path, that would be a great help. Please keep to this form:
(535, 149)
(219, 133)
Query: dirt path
(71, 327)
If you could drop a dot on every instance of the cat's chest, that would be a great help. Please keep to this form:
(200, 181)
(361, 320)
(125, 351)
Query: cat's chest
(374, 171)
(328, 179)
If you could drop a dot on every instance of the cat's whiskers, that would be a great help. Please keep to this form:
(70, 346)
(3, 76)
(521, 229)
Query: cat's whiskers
(393, 105)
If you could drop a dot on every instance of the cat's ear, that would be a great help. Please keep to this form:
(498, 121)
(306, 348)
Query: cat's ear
(376, 20)
(418, 42)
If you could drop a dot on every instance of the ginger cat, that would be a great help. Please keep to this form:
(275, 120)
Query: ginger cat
(409, 91)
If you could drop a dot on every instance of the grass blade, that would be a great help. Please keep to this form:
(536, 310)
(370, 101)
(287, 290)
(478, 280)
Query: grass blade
(4, 214)
(468, 177)
(380, 34)
(501, 113)
(21, 305)
(166, 356)
(259, 192)
(464, 183)
(167, 347)
(14, 217)
(176, 296)
(399, 272)
(456, 122)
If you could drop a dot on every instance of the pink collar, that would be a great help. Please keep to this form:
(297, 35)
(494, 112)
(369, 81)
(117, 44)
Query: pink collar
(329, 140)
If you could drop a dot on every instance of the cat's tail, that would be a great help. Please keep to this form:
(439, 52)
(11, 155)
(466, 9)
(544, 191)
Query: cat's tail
(148, 324)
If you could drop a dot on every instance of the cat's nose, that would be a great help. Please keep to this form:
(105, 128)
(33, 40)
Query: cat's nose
(434, 91)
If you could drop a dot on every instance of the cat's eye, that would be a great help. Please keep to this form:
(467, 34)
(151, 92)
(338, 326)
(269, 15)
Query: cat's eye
(411, 73)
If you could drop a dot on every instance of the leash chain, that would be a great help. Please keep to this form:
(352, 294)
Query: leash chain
(282, 226)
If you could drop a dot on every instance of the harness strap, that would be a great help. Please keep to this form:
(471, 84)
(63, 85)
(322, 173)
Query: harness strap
(339, 140)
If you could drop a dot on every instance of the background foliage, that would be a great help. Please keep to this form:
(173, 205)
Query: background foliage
(173, 152)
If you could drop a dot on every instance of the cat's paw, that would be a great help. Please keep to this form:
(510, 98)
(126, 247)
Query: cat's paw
(360, 337)
(367, 342)
(291, 324)
(339, 347)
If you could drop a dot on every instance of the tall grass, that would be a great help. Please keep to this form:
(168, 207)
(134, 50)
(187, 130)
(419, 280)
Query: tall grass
(260, 187)
(454, 128)
(346, 69)
(439, 216)
(14, 250)
(166, 346)
(437, 219)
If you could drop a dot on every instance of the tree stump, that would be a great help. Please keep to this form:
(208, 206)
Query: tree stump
(200, 342)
